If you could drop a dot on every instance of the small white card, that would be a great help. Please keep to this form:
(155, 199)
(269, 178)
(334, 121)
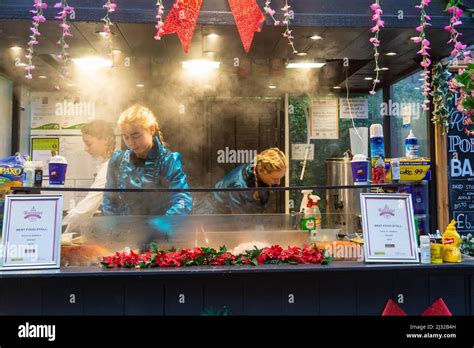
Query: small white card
(31, 235)
(389, 229)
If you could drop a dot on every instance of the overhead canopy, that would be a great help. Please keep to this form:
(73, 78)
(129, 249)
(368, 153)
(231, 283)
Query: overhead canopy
(344, 31)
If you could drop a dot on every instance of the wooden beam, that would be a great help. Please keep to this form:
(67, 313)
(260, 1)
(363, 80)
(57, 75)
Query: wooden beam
(441, 168)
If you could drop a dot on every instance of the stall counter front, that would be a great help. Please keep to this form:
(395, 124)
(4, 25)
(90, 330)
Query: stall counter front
(340, 288)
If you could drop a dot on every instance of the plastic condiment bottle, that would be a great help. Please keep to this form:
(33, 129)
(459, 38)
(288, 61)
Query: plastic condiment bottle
(411, 146)
(451, 244)
(425, 249)
(29, 174)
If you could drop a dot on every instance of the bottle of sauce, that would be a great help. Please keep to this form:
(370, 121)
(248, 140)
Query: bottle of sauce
(451, 244)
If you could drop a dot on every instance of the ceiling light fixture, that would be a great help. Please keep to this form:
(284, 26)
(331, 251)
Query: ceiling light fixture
(309, 64)
(92, 63)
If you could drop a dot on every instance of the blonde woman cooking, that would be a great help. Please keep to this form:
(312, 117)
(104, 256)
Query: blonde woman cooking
(267, 170)
(147, 163)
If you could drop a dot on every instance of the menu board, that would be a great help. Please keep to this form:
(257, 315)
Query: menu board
(461, 170)
(324, 120)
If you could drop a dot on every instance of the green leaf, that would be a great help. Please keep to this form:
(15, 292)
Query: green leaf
(468, 103)
(154, 247)
(464, 78)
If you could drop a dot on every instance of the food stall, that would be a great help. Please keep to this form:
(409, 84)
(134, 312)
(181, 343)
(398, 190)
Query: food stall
(338, 233)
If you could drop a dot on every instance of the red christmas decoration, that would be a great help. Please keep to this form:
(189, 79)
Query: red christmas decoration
(393, 309)
(438, 308)
(156, 257)
(248, 18)
(182, 20)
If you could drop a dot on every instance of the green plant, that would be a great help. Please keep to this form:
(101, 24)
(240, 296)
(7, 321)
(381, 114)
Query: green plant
(467, 246)
(213, 312)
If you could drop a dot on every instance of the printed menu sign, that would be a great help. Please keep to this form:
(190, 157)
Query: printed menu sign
(31, 235)
(389, 228)
(461, 170)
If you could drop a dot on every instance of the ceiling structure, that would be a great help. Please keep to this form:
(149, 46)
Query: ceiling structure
(152, 61)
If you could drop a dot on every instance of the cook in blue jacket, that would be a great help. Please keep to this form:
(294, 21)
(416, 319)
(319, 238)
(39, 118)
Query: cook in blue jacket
(267, 170)
(146, 163)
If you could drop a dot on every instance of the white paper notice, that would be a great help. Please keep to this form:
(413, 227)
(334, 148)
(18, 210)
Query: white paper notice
(324, 120)
(298, 152)
(359, 108)
(388, 228)
(43, 114)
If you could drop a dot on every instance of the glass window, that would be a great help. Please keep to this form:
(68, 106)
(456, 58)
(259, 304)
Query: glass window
(405, 109)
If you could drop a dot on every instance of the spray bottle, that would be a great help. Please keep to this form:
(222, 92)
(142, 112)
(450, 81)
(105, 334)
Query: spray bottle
(377, 153)
(311, 220)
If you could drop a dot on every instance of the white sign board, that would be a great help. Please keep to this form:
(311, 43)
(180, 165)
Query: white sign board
(301, 152)
(31, 235)
(389, 228)
(324, 121)
(359, 108)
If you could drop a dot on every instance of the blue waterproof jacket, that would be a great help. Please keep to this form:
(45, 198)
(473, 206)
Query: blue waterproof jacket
(161, 169)
(235, 202)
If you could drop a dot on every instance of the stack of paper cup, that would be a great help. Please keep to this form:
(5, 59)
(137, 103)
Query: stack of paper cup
(57, 171)
(360, 169)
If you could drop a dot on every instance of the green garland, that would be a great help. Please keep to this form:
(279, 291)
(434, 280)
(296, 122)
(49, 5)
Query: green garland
(441, 97)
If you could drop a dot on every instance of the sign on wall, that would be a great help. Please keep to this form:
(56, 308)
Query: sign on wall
(324, 120)
(357, 107)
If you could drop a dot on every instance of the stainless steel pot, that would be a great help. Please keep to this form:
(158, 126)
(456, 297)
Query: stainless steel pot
(342, 205)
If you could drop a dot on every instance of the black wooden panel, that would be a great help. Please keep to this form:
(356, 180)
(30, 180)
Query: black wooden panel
(411, 291)
(263, 295)
(373, 291)
(472, 295)
(103, 297)
(300, 295)
(144, 297)
(183, 297)
(337, 294)
(451, 288)
(21, 297)
(224, 292)
(62, 297)
(247, 127)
